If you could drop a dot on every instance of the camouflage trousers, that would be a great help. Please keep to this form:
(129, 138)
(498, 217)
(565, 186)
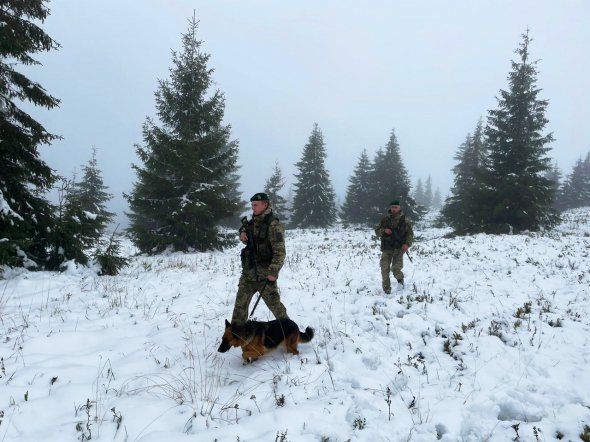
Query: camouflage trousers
(247, 288)
(391, 261)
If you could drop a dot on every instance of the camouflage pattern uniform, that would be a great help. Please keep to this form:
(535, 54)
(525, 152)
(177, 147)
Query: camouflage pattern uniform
(392, 255)
(270, 256)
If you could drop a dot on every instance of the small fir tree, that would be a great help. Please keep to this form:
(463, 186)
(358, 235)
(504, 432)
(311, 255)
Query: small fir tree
(88, 198)
(187, 182)
(26, 217)
(357, 202)
(516, 195)
(108, 256)
(67, 240)
(314, 200)
(273, 186)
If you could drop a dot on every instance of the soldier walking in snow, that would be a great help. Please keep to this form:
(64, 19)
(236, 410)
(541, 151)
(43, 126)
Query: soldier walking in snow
(262, 259)
(396, 236)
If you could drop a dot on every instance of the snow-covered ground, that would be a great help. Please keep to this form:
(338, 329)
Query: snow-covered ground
(489, 341)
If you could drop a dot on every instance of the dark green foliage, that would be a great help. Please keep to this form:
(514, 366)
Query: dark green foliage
(460, 209)
(26, 216)
(390, 181)
(88, 198)
(357, 202)
(314, 202)
(575, 191)
(108, 256)
(272, 188)
(515, 194)
(554, 176)
(67, 239)
(187, 182)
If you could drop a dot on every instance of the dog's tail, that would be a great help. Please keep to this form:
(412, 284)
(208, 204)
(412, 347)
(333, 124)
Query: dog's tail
(306, 336)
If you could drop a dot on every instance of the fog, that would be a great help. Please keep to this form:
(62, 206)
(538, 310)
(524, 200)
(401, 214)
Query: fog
(428, 69)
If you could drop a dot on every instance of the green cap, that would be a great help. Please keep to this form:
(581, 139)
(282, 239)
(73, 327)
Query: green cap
(260, 196)
(394, 203)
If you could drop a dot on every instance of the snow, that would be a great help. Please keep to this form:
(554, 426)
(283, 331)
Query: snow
(6, 210)
(490, 337)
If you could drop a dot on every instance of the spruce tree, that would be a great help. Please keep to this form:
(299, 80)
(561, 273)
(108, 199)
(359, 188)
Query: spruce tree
(436, 199)
(108, 256)
(187, 181)
(554, 175)
(26, 216)
(419, 192)
(68, 239)
(273, 186)
(389, 181)
(427, 202)
(357, 201)
(460, 209)
(88, 198)
(515, 195)
(575, 191)
(314, 201)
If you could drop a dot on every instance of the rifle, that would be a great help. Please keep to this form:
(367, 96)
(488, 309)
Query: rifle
(252, 258)
(401, 242)
(250, 247)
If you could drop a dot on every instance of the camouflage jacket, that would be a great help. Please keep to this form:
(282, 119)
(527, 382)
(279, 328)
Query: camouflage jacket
(402, 231)
(269, 245)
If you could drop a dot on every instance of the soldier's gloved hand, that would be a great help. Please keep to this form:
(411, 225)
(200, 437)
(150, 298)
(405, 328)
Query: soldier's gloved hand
(405, 248)
(388, 231)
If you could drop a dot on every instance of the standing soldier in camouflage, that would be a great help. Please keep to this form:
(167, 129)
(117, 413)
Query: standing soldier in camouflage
(260, 266)
(396, 238)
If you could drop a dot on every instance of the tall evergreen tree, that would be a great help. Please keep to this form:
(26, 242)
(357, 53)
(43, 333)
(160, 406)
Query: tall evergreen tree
(26, 216)
(459, 209)
(187, 182)
(575, 191)
(314, 201)
(357, 202)
(419, 192)
(516, 196)
(390, 181)
(436, 199)
(427, 202)
(273, 186)
(88, 198)
(554, 175)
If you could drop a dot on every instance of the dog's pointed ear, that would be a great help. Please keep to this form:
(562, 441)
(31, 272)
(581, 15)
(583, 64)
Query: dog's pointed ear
(227, 324)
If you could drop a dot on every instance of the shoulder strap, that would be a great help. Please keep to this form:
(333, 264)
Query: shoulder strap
(268, 219)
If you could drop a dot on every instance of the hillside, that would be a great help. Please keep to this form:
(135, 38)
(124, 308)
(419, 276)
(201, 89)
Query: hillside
(489, 341)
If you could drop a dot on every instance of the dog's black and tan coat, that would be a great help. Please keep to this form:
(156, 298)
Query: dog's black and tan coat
(257, 338)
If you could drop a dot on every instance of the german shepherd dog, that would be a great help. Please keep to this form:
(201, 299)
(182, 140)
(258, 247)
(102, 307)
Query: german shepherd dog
(257, 338)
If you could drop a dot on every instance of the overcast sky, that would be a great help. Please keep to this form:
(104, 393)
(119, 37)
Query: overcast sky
(427, 69)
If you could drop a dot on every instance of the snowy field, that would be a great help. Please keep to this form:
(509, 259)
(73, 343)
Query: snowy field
(489, 340)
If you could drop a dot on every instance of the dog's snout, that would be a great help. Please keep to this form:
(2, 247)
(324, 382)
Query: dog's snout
(223, 347)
